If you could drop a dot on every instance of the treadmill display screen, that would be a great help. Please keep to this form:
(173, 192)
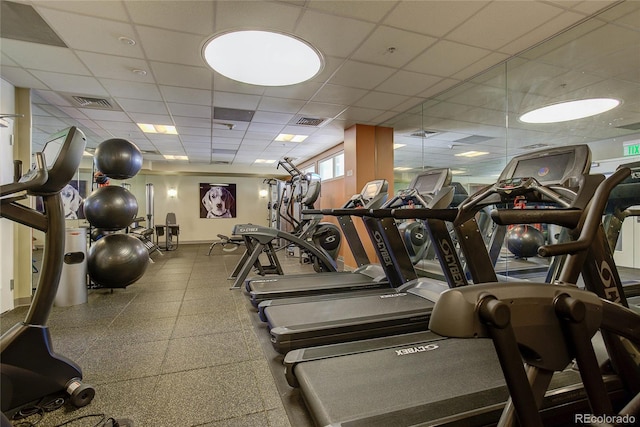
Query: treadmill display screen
(371, 190)
(52, 149)
(426, 184)
(546, 169)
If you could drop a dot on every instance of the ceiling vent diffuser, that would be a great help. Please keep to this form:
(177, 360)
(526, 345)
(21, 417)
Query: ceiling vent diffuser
(308, 121)
(81, 101)
(422, 133)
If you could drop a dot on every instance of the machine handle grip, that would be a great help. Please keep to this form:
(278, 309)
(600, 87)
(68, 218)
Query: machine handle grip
(347, 211)
(566, 217)
(38, 179)
(312, 212)
(592, 218)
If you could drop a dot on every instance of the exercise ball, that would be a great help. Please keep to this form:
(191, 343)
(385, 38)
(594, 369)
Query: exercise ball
(117, 260)
(118, 158)
(524, 240)
(111, 208)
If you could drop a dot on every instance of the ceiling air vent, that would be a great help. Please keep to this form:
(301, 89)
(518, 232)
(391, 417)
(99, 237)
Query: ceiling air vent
(307, 121)
(220, 162)
(81, 101)
(632, 126)
(423, 133)
(473, 139)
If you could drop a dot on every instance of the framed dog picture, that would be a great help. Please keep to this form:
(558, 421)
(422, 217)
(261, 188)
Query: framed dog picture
(217, 200)
(73, 195)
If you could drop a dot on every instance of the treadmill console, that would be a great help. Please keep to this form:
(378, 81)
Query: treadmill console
(422, 188)
(370, 191)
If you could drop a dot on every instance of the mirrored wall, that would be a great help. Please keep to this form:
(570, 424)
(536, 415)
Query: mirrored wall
(476, 126)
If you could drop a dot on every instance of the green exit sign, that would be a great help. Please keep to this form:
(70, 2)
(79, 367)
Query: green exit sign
(632, 150)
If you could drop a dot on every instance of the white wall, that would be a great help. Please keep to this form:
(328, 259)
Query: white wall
(7, 106)
(249, 207)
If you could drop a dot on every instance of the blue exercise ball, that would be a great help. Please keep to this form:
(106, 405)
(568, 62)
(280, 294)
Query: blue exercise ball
(118, 158)
(111, 208)
(524, 240)
(117, 260)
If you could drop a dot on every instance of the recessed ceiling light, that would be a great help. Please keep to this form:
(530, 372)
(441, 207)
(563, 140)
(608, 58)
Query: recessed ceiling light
(287, 137)
(396, 146)
(571, 110)
(402, 168)
(471, 154)
(139, 72)
(262, 58)
(458, 171)
(264, 161)
(175, 157)
(166, 129)
(87, 154)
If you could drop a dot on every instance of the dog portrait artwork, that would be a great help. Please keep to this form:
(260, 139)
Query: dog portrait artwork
(218, 200)
(72, 201)
(72, 196)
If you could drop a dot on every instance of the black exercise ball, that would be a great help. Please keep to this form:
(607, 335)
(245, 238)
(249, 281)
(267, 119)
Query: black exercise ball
(117, 260)
(111, 208)
(524, 240)
(97, 234)
(118, 158)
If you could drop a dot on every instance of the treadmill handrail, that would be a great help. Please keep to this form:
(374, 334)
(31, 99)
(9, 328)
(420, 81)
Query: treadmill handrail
(592, 218)
(568, 218)
(39, 178)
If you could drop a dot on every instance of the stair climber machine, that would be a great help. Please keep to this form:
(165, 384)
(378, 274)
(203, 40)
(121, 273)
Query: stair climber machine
(423, 378)
(424, 190)
(31, 371)
(319, 242)
(373, 195)
(407, 307)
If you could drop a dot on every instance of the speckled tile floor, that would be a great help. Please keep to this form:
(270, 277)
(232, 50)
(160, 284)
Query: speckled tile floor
(176, 348)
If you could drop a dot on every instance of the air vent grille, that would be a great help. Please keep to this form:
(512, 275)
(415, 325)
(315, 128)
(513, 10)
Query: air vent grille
(87, 102)
(220, 162)
(422, 133)
(631, 126)
(473, 139)
(308, 121)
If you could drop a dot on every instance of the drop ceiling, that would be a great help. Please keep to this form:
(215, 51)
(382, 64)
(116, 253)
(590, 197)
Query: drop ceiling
(381, 60)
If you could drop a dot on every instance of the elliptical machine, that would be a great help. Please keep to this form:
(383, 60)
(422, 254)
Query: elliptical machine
(30, 370)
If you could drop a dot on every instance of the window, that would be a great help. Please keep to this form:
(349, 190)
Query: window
(333, 167)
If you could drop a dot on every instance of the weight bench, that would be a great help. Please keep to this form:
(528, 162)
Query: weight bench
(234, 241)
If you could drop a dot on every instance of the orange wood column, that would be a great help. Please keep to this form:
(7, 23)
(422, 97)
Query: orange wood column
(368, 155)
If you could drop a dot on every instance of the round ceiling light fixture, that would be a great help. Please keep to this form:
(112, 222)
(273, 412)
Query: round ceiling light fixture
(571, 110)
(262, 58)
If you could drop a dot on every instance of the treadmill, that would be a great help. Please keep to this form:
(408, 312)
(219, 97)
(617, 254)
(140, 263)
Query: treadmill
(407, 308)
(424, 379)
(421, 192)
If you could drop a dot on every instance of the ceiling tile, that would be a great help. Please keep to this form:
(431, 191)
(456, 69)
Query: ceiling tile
(552, 26)
(513, 18)
(235, 100)
(408, 83)
(21, 78)
(171, 46)
(345, 35)
(43, 57)
(185, 95)
(269, 117)
(192, 122)
(435, 18)
(192, 16)
(361, 75)
(102, 9)
(255, 14)
(359, 9)
(116, 67)
(195, 131)
(182, 75)
(302, 91)
(93, 34)
(334, 94)
(318, 109)
(83, 85)
(155, 119)
(102, 115)
(118, 88)
(190, 110)
(381, 100)
(279, 105)
(142, 106)
(392, 47)
(446, 58)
